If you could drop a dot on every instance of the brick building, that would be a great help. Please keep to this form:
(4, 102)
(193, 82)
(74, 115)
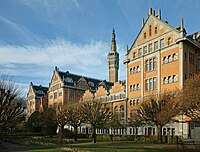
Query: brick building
(37, 98)
(66, 87)
(160, 59)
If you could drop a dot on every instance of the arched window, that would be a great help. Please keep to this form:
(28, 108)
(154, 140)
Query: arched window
(170, 79)
(116, 112)
(170, 58)
(134, 55)
(165, 60)
(145, 35)
(138, 68)
(165, 80)
(134, 70)
(150, 30)
(134, 87)
(131, 88)
(121, 112)
(156, 30)
(131, 70)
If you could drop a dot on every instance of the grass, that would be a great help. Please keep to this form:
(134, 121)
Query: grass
(118, 146)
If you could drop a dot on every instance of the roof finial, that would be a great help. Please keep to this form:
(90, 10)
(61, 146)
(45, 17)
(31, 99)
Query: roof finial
(159, 14)
(127, 49)
(182, 24)
(142, 22)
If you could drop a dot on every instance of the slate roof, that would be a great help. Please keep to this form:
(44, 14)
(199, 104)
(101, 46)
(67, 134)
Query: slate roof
(40, 90)
(71, 79)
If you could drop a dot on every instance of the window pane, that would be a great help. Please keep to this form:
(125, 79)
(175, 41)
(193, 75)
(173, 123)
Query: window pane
(147, 65)
(156, 45)
(145, 50)
(150, 48)
(154, 63)
(150, 64)
(147, 85)
(154, 83)
(162, 43)
(150, 84)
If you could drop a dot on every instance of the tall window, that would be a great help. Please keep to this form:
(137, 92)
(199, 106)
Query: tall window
(154, 63)
(140, 52)
(116, 112)
(162, 43)
(145, 35)
(150, 30)
(156, 45)
(150, 84)
(122, 112)
(134, 55)
(169, 41)
(145, 50)
(147, 85)
(150, 65)
(150, 48)
(154, 83)
(156, 30)
(55, 95)
(147, 65)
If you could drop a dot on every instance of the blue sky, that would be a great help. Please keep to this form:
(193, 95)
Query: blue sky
(75, 35)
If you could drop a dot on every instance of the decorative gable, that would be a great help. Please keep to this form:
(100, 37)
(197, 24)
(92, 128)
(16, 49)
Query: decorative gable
(82, 84)
(153, 29)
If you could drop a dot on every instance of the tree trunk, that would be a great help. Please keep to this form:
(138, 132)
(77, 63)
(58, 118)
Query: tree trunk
(75, 133)
(94, 136)
(62, 131)
(159, 130)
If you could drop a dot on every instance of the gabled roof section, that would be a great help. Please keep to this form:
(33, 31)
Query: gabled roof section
(70, 79)
(39, 90)
(151, 16)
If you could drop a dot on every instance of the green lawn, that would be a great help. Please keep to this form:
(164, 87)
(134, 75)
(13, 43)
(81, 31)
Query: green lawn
(117, 146)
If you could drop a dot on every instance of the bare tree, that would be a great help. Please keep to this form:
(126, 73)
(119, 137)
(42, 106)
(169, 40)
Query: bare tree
(61, 120)
(74, 117)
(190, 98)
(159, 111)
(11, 102)
(135, 122)
(95, 113)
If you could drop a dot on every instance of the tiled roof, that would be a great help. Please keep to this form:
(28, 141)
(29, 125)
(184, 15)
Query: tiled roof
(71, 79)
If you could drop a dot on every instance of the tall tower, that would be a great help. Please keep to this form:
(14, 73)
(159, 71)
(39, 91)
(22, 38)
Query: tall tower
(113, 60)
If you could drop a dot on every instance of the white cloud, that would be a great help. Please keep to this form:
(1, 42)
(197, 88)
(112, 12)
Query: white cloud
(55, 52)
(89, 59)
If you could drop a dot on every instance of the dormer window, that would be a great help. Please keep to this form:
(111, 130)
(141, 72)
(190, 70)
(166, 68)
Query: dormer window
(91, 84)
(67, 79)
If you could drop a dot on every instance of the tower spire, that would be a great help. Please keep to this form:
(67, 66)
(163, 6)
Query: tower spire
(113, 60)
(113, 43)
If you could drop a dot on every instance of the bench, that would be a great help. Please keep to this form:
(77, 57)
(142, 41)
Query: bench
(188, 145)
